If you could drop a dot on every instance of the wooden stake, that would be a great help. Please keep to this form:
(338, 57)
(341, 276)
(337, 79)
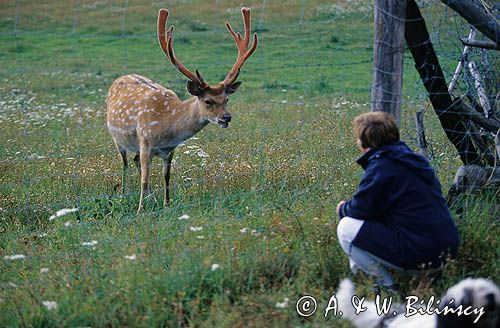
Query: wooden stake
(388, 50)
(422, 142)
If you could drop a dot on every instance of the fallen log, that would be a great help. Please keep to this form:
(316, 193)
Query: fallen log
(470, 178)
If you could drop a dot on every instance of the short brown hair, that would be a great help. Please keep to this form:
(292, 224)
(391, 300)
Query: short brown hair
(376, 129)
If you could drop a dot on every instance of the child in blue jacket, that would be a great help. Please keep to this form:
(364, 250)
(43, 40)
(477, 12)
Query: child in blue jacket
(398, 217)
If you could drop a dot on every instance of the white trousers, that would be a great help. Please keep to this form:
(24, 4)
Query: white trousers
(360, 259)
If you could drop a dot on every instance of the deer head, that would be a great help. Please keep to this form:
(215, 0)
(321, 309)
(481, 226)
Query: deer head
(212, 100)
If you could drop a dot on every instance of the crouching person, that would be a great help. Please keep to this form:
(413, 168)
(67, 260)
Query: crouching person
(398, 217)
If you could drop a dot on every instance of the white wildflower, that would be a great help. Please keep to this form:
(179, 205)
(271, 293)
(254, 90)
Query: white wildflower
(68, 224)
(244, 230)
(215, 266)
(89, 243)
(62, 212)
(130, 257)
(284, 304)
(42, 235)
(202, 154)
(44, 270)
(195, 228)
(50, 305)
(200, 237)
(184, 217)
(15, 257)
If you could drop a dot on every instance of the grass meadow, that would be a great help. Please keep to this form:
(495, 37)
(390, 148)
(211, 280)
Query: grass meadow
(252, 225)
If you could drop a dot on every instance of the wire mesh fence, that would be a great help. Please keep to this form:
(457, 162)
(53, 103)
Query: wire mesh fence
(309, 71)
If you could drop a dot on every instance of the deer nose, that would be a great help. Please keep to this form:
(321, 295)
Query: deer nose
(227, 117)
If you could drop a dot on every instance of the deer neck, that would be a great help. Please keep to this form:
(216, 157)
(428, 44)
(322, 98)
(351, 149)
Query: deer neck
(194, 120)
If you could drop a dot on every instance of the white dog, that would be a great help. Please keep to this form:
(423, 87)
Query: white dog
(470, 303)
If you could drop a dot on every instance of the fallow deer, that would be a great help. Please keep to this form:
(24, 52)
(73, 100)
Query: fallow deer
(149, 120)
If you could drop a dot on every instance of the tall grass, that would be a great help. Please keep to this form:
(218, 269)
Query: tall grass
(264, 198)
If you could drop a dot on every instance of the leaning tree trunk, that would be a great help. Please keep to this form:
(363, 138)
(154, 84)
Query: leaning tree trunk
(388, 50)
(483, 22)
(427, 65)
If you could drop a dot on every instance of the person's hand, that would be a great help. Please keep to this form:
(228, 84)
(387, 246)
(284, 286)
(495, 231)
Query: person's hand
(339, 205)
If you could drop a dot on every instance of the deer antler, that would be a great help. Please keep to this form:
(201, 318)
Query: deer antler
(166, 41)
(242, 44)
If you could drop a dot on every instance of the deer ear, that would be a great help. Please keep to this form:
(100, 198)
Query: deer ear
(230, 89)
(195, 88)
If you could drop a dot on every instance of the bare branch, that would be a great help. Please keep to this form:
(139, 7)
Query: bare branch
(465, 111)
(478, 82)
(460, 64)
(480, 44)
(497, 144)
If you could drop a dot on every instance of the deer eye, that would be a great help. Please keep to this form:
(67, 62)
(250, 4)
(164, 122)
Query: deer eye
(209, 102)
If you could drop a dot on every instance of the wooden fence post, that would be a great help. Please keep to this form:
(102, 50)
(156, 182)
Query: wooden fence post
(388, 50)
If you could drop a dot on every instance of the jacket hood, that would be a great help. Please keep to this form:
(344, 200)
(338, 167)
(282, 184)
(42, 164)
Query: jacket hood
(401, 153)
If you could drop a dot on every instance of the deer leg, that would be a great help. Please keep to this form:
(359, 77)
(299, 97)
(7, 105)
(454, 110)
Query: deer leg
(167, 163)
(123, 154)
(145, 162)
(137, 161)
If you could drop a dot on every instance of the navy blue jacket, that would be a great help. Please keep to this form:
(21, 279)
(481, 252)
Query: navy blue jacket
(407, 220)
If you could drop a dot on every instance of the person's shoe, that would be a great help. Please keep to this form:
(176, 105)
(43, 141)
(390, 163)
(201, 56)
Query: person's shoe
(354, 268)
